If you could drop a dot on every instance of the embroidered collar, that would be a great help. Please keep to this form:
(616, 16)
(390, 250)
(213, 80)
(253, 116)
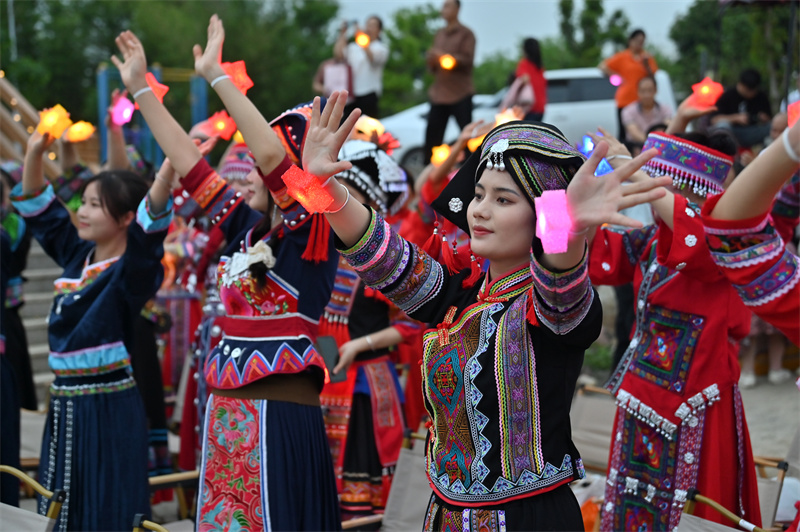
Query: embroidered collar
(506, 287)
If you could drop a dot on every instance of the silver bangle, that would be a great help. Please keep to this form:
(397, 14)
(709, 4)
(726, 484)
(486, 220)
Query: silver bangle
(141, 91)
(369, 343)
(626, 157)
(346, 199)
(788, 147)
(217, 80)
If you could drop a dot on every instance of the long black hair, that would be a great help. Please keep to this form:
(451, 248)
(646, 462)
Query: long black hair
(120, 191)
(533, 51)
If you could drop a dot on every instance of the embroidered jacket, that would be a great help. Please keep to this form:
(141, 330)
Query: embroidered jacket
(267, 330)
(91, 320)
(682, 359)
(498, 389)
(752, 255)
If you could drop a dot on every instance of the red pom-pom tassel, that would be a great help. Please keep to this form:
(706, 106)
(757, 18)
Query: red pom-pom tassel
(475, 273)
(433, 246)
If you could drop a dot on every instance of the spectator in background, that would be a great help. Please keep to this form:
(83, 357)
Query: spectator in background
(452, 88)
(366, 56)
(639, 116)
(631, 64)
(744, 109)
(531, 72)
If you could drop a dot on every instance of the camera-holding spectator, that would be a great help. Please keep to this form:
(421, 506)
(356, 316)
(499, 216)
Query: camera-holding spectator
(367, 56)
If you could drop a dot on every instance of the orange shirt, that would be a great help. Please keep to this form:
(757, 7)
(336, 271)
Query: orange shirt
(631, 70)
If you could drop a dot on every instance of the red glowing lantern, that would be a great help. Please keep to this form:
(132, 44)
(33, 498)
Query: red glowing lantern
(159, 89)
(307, 190)
(222, 125)
(238, 73)
(706, 92)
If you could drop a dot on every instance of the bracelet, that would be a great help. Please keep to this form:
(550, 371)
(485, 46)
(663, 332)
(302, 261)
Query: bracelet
(141, 91)
(346, 199)
(166, 183)
(217, 80)
(626, 157)
(788, 147)
(369, 343)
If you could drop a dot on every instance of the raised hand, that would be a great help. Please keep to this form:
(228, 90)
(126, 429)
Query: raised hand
(38, 144)
(207, 145)
(133, 66)
(207, 62)
(474, 129)
(325, 137)
(595, 200)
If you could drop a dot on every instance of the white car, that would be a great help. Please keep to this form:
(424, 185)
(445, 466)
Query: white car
(578, 100)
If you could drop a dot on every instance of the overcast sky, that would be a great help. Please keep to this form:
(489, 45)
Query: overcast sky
(500, 24)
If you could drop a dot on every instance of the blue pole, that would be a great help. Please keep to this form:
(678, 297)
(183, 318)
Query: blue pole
(199, 99)
(102, 106)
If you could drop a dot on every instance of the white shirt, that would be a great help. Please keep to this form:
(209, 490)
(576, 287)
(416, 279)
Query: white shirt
(367, 75)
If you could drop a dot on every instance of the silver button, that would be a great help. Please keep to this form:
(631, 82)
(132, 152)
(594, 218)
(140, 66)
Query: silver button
(680, 266)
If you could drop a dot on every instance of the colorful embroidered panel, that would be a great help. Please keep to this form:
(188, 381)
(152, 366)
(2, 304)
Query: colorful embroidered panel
(515, 369)
(231, 498)
(778, 280)
(665, 348)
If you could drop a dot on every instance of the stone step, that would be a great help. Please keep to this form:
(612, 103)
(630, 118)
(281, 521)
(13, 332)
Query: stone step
(37, 304)
(36, 330)
(39, 354)
(40, 280)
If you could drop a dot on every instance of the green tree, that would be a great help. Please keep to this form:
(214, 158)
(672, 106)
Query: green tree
(406, 74)
(572, 50)
(724, 41)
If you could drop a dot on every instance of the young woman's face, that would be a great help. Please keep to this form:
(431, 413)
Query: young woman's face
(95, 224)
(501, 222)
(257, 195)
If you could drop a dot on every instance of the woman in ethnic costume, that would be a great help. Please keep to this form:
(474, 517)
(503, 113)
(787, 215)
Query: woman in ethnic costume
(745, 242)
(95, 439)
(265, 463)
(680, 422)
(364, 413)
(500, 367)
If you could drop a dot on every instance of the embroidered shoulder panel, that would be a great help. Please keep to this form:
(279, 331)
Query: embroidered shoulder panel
(775, 282)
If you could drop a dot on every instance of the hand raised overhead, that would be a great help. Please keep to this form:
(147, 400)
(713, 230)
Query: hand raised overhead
(207, 62)
(325, 137)
(133, 66)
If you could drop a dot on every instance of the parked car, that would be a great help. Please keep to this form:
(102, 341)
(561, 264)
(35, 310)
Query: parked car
(578, 100)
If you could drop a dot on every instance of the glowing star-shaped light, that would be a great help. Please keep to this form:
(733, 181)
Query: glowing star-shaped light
(440, 154)
(307, 190)
(222, 125)
(122, 112)
(362, 39)
(706, 92)
(80, 131)
(447, 62)
(159, 89)
(238, 73)
(615, 79)
(54, 121)
(553, 223)
(794, 112)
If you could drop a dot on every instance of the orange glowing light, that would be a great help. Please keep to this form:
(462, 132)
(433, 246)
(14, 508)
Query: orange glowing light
(362, 39)
(447, 61)
(159, 89)
(54, 121)
(505, 117)
(80, 131)
(706, 92)
(440, 154)
(238, 73)
(222, 125)
(238, 138)
(475, 143)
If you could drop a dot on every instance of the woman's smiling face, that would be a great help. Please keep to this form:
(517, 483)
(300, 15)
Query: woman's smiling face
(501, 222)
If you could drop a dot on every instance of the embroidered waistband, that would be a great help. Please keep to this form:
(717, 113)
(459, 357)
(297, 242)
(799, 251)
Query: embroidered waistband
(86, 385)
(259, 328)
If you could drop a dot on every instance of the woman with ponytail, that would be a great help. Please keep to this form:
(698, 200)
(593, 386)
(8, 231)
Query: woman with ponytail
(265, 461)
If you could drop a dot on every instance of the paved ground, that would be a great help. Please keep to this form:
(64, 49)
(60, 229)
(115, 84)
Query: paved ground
(773, 416)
